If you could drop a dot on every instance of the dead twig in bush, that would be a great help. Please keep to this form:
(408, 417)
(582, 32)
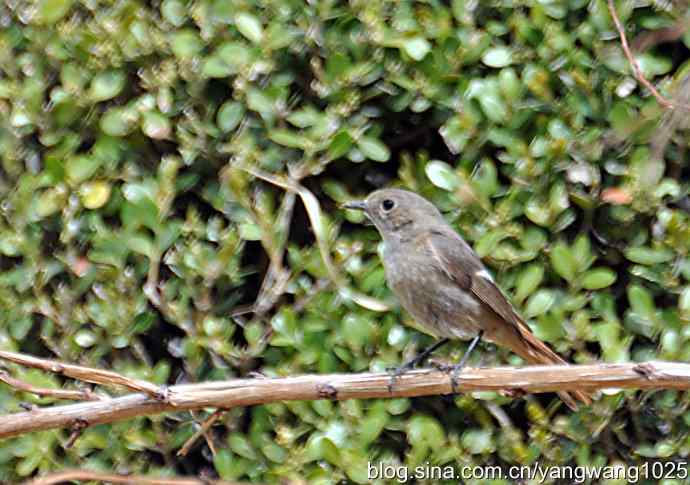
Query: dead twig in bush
(635, 66)
(311, 205)
(72, 395)
(203, 430)
(671, 121)
(86, 374)
(69, 476)
(425, 382)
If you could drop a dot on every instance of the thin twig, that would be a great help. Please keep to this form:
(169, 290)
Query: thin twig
(72, 395)
(671, 121)
(203, 429)
(425, 382)
(277, 277)
(87, 374)
(313, 208)
(635, 66)
(68, 476)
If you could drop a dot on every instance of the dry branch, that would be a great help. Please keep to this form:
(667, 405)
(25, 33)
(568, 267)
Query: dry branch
(19, 385)
(635, 66)
(87, 374)
(69, 476)
(247, 392)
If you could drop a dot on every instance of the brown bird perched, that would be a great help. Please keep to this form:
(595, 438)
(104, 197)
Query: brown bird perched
(443, 284)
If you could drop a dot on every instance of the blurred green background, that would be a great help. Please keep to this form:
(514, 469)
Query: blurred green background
(145, 225)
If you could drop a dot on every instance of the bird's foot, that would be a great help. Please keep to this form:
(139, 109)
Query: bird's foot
(454, 373)
(396, 372)
(456, 369)
(441, 365)
(414, 362)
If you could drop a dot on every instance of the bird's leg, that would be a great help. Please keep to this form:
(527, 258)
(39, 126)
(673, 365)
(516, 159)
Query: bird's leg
(422, 356)
(418, 359)
(456, 370)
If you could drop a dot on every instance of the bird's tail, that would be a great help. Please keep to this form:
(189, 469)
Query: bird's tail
(534, 351)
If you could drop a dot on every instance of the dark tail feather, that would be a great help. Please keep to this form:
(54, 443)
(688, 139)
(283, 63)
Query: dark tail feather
(535, 351)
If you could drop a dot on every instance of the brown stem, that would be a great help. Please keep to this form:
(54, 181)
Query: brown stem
(87, 374)
(69, 476)
(247, 392)
(72, 395)
(635, 66)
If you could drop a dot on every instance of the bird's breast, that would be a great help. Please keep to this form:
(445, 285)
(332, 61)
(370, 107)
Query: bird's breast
(434, 300)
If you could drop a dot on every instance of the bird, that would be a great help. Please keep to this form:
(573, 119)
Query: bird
(443, 284)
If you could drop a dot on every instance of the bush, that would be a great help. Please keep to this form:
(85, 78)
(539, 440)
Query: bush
(135, 234)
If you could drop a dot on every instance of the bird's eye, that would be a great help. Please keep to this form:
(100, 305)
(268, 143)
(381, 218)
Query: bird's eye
(387, 204)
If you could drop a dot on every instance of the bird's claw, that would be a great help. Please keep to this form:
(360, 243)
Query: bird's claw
(441, 366)
(396, 372)
(454, 373)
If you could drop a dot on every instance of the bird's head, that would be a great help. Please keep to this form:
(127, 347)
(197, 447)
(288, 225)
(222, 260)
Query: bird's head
(396, 211)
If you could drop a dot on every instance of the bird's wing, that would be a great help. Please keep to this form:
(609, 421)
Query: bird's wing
(461, 264)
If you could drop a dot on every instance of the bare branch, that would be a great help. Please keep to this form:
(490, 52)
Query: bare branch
(637, 71)
(72, 395)
(87, 374)
(91, 476)
(203, 430)
(247, 392)
(313, 208)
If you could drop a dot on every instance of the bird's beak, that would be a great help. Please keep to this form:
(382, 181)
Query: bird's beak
(360, 205)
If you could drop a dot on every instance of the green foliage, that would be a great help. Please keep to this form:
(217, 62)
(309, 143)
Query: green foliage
(135, 234)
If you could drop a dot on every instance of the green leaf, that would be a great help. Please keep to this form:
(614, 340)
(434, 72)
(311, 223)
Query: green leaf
(340, 144)
(537, 211)
(648, 256)
(142, 244)
(155, 125)
(229, 116)
(416, 47)
(498, 57)
(85, 338)
(425, 431)
(223, 462)
(684, 301)
(528, 280)
(47, 203)
(174, 11)
(118, 121)
(373, 148)
(305, 118)
(563, 261)
(509, 83)
(582, 252)
(107, 85)
(653, 65)
(598, 278)
(94, 194)
(478, 441)
(81, 167)
(257, 100)
(240, 445)
(288, 138)
(641, 302)
(186, 43)
(442, 175)
(558, 198)
(485, 178)
(540, 303)
(249, 26)
(50, 11)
